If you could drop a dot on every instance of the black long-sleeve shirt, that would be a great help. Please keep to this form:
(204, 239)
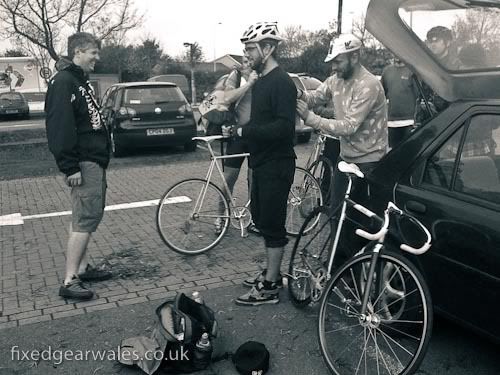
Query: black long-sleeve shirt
(271, 130)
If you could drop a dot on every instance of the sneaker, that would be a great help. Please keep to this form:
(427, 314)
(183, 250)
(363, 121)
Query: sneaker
(254, 280)
(75, 290)
(93, 274)
(253, 229)
(218, 225)
(260, 295)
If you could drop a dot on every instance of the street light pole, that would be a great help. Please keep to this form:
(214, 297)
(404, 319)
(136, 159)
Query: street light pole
(339, 19)
(215, 41)
(191, 63)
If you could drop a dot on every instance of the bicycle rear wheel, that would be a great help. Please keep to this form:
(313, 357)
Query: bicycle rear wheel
(393, 335)
(307, 270)
(322, 170)
(304, 196)
(192, 216)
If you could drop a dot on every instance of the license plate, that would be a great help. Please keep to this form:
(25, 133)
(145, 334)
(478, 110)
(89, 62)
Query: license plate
(166, 131)
(11, 111)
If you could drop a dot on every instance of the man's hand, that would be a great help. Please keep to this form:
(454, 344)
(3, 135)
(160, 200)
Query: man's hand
(74, 180)
(302, 109)
(252, 77)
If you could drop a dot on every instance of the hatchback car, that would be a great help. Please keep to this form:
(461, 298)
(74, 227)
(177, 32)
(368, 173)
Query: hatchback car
(447, 173)
(13, 104)
(144, 114)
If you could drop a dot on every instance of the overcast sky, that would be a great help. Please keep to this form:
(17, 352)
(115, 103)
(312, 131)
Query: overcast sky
(218, 25)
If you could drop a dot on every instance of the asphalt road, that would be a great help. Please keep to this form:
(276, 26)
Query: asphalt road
(453, 350)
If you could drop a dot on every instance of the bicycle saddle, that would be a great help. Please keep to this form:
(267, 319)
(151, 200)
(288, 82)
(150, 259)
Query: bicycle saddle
(208, 138)
(350, 168)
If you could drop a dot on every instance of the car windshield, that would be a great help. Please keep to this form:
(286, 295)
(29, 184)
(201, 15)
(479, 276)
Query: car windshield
(152, 95)
(10, 96)
(460, 39)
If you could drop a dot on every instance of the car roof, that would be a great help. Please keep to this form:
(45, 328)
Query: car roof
(144, 83)
(383, 20)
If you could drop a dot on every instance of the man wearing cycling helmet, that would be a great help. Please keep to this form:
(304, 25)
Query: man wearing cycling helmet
(361, 114)
(269, 135)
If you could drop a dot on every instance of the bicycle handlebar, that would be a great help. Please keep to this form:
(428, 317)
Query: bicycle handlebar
(392, 208)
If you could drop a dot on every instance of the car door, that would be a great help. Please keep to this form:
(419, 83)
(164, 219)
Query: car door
(455, 191)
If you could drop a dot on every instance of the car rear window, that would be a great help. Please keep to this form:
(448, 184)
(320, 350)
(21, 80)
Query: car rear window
(152, 95)
(11, 96)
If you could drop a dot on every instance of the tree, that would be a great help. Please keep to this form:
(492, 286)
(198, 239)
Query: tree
(479, 26)
(42, 23)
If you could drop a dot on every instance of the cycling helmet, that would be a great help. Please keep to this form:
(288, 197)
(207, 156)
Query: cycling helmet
(440, 32)
(342, 44)
(261, 31)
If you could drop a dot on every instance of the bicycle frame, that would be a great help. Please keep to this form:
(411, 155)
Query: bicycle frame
(215, 165)
(318, 148)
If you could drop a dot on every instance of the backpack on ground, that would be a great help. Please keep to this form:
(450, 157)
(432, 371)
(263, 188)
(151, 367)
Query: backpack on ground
(172, 345)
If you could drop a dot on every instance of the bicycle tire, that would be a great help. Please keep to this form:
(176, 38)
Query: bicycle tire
(322, 169)
(304, 196)
(307, 270)
(184, 232)
(378, 344)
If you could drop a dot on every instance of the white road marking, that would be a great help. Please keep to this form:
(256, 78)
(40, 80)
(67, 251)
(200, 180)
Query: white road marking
(18, 219)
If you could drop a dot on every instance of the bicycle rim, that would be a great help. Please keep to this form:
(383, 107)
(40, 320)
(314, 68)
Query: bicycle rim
(322, 170)
(377, 343)
(192, 219)
(304, 196)
(307, 271)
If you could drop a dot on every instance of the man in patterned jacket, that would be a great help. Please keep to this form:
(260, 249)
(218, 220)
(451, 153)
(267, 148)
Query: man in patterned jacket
(360, 114)
(79, 141)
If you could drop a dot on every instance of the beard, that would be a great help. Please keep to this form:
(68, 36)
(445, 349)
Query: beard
(257, 64)
(347, 72)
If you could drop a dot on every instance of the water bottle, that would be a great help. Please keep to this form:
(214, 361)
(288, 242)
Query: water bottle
(202, 354)
(196, 296)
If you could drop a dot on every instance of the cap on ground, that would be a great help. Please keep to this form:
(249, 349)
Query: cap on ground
(342, 44)
(251, 357)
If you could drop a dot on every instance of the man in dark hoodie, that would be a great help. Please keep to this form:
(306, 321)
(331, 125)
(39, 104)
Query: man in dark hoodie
(79, 141)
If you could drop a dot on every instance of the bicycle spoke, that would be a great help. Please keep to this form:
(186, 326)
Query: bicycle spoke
(355, 343)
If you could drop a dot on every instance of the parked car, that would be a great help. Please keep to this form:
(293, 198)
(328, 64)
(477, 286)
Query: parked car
(143, 114)
(447, 173)
(13, 104)
(302, 132)
(310, 83)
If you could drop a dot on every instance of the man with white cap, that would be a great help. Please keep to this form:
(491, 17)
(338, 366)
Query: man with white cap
(361, 113)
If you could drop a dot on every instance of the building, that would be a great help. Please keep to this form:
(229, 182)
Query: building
(229, 61)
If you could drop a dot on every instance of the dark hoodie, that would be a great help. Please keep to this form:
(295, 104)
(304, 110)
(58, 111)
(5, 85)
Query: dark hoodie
(75, 129)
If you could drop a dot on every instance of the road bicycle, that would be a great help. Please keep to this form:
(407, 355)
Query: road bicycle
(187, 211)
(319, 165)
(375, 314)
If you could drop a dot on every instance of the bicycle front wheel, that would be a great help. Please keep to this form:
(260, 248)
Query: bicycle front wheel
(307, 271)
(304, 196)
(322, 169)
(192, 216)
(392, 336)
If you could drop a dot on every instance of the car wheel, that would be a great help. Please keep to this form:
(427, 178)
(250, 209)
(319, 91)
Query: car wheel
(190, 146)
(303, 138)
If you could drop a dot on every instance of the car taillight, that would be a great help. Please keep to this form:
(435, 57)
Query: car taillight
(186, 108)
(127, 111)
